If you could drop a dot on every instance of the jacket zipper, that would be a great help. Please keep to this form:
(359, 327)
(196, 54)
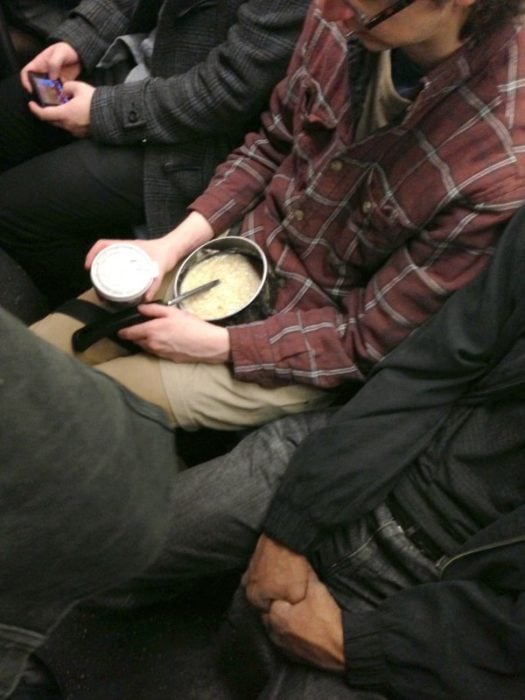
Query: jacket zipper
(477, 550)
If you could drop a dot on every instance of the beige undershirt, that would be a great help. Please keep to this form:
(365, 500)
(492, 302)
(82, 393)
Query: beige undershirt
(382, 101)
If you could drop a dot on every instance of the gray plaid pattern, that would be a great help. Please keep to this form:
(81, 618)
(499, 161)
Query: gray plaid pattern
(214, 65)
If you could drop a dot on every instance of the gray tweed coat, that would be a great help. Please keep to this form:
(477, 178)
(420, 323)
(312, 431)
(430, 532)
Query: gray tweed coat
(214, 65)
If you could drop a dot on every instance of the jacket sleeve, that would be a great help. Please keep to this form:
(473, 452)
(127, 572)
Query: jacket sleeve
(93, 25)
(450, 639)
(231, 86)
(341, 472)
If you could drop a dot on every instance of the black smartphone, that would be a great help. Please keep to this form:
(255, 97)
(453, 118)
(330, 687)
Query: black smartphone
(47, 92)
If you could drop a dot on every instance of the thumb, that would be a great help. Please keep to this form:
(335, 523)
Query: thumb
(95, 249)
(54, 66)
(313, 578)
(72, 88)
(153, 289)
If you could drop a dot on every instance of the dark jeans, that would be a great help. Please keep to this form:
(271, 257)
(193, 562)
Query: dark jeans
(362, 565)
(58, 195)
(86, 489)
(91, 503)
(219, 509)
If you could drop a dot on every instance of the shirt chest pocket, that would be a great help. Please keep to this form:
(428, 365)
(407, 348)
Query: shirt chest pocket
(379, 219)
(315, 119)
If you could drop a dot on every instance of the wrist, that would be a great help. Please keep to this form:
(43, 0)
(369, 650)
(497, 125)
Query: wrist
(192, 232)
(223, 349)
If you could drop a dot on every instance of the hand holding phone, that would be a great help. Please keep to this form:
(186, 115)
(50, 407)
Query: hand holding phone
(47, 92)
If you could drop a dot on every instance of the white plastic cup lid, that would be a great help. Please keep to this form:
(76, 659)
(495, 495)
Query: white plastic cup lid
(123, 272)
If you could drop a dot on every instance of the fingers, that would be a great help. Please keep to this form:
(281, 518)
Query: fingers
(280, 611)
(257, 598)
(37, 65)
(51, 115)
(137, 332)
(54, 65)
(151, 293)
(254, 592)
(72, 88)
(95, 249)
(48, 61)
(275, 572)
(143, 332)
(24, 78)
(275, 617)
(262, 595)
(155, 310)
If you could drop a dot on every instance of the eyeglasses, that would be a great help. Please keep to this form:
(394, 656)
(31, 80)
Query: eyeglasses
(367, 22)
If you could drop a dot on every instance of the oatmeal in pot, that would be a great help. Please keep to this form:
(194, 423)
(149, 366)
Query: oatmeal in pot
(239, 282)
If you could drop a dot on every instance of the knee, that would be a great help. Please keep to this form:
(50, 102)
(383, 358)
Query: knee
(270, 448)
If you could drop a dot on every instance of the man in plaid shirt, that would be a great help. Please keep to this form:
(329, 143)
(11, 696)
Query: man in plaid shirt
(387, 163)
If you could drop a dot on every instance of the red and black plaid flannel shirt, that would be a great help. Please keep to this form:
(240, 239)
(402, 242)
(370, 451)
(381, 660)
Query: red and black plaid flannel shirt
(370, 238)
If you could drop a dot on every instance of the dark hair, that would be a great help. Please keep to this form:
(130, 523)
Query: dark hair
(487, 15)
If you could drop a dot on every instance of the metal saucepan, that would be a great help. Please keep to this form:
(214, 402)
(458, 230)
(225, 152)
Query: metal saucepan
(257, 305)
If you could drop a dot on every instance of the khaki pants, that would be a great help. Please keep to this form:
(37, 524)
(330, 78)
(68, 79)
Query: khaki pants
(193, 394)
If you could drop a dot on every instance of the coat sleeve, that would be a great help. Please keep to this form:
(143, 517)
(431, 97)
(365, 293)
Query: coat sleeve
(344, 470)
(450, 639)
(93, 25)
(230, 87)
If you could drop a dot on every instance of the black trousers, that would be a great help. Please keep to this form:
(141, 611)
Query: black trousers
(58, 195)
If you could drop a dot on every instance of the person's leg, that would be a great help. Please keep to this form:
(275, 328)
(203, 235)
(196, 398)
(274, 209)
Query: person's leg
(86, 488)
(18, 293)
(194, 395)
(55, 206)
(297, 682)
(219, 507)
(205, 395)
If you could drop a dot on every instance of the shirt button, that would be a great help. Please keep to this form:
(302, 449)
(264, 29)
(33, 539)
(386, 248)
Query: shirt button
(132, 116)
(299, 215)
(367, 207)
(144, 141)
(336, 165)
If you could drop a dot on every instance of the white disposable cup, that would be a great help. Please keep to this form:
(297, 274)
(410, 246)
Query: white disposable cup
(122, 273)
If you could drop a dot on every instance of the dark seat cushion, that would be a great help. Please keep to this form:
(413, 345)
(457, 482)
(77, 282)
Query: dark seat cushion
(18, 294)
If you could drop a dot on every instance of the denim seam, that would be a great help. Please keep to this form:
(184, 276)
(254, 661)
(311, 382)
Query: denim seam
(11, 636)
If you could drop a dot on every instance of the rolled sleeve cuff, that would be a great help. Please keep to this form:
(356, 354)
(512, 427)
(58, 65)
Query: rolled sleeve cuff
(283, 349)
(219, 214)
(252, 354)
(365, 661)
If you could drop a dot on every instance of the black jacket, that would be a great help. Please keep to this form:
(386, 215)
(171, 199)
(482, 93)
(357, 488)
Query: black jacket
(462, 637)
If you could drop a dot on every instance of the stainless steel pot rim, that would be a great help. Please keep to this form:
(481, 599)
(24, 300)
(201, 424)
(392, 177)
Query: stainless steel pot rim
(225, 245)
